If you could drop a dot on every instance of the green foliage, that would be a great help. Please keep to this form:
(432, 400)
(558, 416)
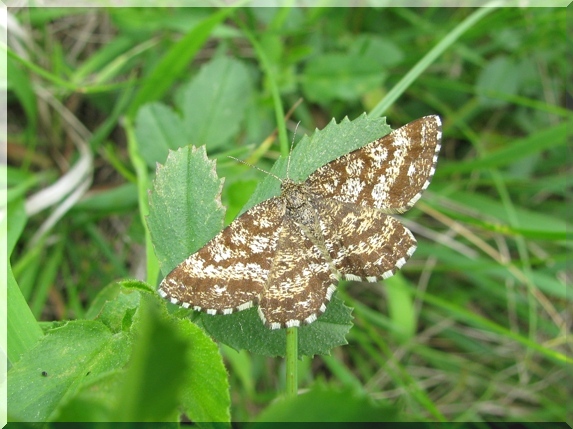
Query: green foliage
(185, 206)
(131, 363)
(56, 368)
(500, 75)
(340, 76)
(244, 330)
(218, 94)
(474, 328)
(327, 405)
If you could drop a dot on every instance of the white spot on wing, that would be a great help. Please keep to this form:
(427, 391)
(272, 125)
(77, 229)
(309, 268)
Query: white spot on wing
(310, 319)
(414, 199)
(244, 306)
(219, 289)
(261, 315)
(330, 291)
(387, 274)
(411, 170)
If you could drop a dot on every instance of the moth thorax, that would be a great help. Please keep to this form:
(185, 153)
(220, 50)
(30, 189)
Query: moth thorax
(294, 194)
(298, 205)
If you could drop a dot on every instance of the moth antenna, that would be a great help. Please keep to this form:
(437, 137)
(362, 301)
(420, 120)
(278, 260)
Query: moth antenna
(256, 168)
(290, 153)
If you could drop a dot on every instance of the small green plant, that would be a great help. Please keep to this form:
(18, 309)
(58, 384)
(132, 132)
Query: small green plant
(473, 329)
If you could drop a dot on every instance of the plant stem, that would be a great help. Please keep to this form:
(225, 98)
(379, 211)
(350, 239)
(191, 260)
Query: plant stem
(143, 185)
(291, 362)
(291, 333)
(273, 87)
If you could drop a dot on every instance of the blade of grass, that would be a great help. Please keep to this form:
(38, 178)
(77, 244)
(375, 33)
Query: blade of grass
(105, 129)
(273, 87)
(387, 360)
(531, 144)
(343, 373)
(482, 322)
(46, 278)
(50, 77)
(23, 329)
(428, 59)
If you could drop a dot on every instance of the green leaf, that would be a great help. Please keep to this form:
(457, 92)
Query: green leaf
(245, 330)
(383, 50)
(219, 94)
(94, 400)
(185, 208)
(158, 129)
(148, 388)
(205, 397)
(499, 75)
(115, 304)
(215, 102)
(170, 357)
(340, 77)
(176, 60)
(174, 362)
(153, 379)
(53, 371)
(323, 404)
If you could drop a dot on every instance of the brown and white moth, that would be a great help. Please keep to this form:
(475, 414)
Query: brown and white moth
(288, 253)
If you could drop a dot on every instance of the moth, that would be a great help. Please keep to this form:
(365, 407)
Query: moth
(287, 254)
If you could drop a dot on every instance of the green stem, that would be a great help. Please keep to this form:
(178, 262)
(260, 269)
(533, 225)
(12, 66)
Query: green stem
(143, 185)
(273, 88)
(291, 333)
(291, 362)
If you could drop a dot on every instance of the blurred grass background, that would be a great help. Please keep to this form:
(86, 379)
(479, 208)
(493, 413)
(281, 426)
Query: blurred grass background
(474, 329)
